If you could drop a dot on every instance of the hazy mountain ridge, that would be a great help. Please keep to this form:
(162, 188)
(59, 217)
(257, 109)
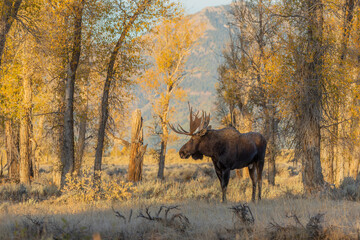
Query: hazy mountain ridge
(207, 55)
(205, 59)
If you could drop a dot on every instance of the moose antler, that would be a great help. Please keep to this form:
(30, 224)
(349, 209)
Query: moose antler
(196, 122)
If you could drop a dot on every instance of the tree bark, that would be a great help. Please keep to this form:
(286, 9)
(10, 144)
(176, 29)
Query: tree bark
(333, 154)
(349, 15)
(164, 135)
(137, 150)
(105, 96)
(59, 134)
(310, 105)
(25, 125)
(272, 146)
(34, 160)
(334, 138)
(68, 154)
(162, 158)
(1, 167)
(358, 81)
(8, 12)
(354, 155)
(12, 150)
(81, 141)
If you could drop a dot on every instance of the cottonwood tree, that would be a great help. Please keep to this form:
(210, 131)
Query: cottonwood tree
(8, 13)
(68, 152)
(173, 41)
(133, 18)
(26, 120)
(336, 144)
(12, 149)
(71, 88)
(244, 77)
(232, 98)
(10, 101)
(8, 10)
(313, 72)
(302, 40)
(310, 98)
(16, 79)
(62, 29)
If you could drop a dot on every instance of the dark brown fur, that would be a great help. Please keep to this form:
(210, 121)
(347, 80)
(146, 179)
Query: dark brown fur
(229, 150)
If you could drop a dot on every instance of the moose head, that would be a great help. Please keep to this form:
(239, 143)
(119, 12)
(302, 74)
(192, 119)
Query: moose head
(199, 126)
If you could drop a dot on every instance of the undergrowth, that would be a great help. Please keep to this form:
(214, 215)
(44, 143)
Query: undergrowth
(81, 188)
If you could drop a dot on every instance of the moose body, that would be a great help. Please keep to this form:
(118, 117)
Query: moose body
(228, 148)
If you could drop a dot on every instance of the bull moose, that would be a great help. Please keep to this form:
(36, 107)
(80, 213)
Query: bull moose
(228, 148)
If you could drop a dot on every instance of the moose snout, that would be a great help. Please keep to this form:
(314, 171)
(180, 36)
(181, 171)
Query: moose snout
(184, 155)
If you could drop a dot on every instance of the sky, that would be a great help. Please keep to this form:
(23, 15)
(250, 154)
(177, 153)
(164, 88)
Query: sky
(192, 6)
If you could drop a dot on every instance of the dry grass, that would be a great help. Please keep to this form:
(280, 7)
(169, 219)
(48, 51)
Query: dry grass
(206, 220)
(192, 193)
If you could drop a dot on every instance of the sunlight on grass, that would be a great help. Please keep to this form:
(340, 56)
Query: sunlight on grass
(192, 192)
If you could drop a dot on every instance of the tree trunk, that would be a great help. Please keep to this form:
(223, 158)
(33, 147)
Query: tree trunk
(137, 150)
(25, 125)
(67, 155)
(244, 125)
(162, 159)
(334, 138)
(232, 116)
(333, 154)
(310, 106)
(348, 20)
(12, 150)
(358, 81)
(81, 141)
(59, 134)
(105, 96)
(272, 146)
(1, 167)
(349, 15)
(8, 12)
(164, 135)
(239, 173)
(34, 160)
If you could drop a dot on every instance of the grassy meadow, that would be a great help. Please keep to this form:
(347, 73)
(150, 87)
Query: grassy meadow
(186, 205)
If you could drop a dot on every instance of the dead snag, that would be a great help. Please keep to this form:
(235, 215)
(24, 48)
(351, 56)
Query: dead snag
(177, 220)
(137, 149)
(121, 216)
(243, 218)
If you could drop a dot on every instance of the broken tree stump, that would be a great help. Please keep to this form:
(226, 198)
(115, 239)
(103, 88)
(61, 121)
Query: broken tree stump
(137, 149)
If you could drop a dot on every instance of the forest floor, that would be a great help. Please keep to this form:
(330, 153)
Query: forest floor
(186, 205)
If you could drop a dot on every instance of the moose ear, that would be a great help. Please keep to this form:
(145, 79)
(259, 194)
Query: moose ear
(203, 132)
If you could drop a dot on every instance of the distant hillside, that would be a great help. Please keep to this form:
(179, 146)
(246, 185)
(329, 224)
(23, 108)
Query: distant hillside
(205, 59)
(207, 56)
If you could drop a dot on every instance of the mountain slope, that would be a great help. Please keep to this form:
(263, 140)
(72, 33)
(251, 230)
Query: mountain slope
(205, 59)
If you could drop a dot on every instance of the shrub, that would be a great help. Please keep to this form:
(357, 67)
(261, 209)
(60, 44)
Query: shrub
(81, 188)
(349, 189)
(21, 192)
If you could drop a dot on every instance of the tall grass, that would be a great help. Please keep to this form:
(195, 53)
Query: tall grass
(38, 212)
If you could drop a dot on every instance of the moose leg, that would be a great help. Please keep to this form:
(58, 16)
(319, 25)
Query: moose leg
(219, 175)
(259, 169)
(224, 183)
(224, 177)
(252, 176)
